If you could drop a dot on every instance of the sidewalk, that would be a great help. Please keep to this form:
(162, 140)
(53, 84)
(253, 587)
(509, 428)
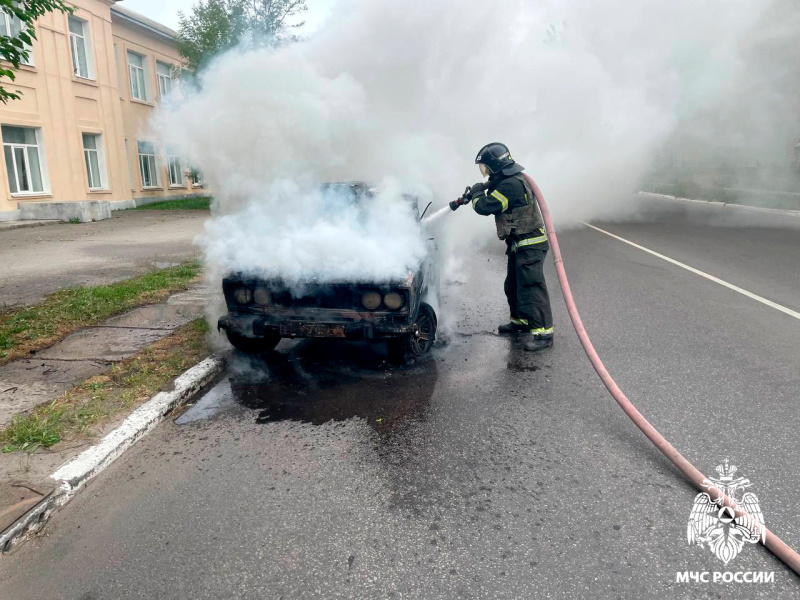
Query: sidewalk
(39, 261)
(782, 212)
(27, 383)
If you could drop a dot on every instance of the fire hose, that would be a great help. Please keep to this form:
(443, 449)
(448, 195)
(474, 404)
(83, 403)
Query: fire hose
(772, 542)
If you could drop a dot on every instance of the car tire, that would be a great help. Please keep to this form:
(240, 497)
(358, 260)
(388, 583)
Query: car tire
(250, 345)
(414, 345)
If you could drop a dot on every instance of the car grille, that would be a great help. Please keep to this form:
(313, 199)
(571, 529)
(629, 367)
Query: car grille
(341, 297)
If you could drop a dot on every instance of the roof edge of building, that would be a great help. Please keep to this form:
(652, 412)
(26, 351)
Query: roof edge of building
(145, 23)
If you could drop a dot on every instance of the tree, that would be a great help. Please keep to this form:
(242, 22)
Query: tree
(218, 25)
(268, 19)
(213, 27)
(18, 18)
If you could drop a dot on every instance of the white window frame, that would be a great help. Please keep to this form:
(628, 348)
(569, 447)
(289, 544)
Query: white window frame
(85, 39)
(42, 163)
(99, 151)
(139, 75)
(164, 81)
(5, 29)
(152, 162)
(175, 168)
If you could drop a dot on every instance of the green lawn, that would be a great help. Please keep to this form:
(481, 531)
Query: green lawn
(182, 204)
(75, 413)
(38, 326)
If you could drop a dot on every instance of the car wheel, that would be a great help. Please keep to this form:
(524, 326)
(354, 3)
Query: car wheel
(252, 345)
(420, 341)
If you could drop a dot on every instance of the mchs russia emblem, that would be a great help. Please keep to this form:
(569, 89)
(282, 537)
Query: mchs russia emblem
(715, 526)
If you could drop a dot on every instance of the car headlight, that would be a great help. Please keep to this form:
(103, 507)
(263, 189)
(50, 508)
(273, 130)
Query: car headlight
(394, 301)
(371, 300)
(243, 295)
(262, 297)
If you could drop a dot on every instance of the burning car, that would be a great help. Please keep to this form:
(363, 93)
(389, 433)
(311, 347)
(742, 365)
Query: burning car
(261, 312)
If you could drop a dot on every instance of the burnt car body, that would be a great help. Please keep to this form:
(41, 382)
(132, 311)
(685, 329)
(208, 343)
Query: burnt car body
(261, 312)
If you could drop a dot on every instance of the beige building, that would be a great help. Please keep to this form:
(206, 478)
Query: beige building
(80, 131)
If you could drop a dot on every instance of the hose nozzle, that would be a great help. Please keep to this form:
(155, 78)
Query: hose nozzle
(464, 199)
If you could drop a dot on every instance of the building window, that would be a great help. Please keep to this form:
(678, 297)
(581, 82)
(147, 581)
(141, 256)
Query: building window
(12, 26)
(22, 150)
(196, 177)
(79, 45)
(136, 72)
(95, 161)
(147, 164)
(175, 166)
(164, 78)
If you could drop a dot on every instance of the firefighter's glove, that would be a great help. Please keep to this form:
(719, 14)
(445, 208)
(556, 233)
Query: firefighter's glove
(477, 189)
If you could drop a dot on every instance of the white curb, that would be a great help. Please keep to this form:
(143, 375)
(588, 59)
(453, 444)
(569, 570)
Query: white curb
(746, 207)
(72, 476)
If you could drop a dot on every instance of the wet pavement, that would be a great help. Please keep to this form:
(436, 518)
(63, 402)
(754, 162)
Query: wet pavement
(323, 471)
(317, 381)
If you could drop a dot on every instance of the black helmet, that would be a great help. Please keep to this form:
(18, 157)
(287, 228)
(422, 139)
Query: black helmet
(497, 158)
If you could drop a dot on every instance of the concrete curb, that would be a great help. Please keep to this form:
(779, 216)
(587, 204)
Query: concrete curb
(10, 225)
(745, 207)
(76, 473)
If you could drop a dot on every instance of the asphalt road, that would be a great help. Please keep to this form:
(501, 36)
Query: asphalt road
(483, 472)
(41, 260)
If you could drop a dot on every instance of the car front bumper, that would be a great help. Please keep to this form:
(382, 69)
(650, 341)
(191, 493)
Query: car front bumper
(342, 324)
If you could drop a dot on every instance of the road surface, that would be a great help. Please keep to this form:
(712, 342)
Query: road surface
(483, 472)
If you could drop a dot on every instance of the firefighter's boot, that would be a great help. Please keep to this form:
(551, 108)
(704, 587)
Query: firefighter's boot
(515, 326)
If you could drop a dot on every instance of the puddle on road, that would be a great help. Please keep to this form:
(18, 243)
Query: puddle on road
(216, 400)
(318, 381)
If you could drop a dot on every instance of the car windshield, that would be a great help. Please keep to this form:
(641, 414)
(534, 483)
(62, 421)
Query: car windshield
(355, 192)
(351, 191)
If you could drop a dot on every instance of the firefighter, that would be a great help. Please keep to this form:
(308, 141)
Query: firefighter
(508, 196)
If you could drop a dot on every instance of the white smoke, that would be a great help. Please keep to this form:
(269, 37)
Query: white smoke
(307, 236)
(582, 92)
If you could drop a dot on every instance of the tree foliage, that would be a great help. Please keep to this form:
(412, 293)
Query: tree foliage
(218, 25)
(15, 48)
(269, 19)
(213, 27)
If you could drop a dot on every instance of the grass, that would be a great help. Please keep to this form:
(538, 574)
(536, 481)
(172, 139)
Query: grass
(38, 326)
(182, 204)
(78, 412)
